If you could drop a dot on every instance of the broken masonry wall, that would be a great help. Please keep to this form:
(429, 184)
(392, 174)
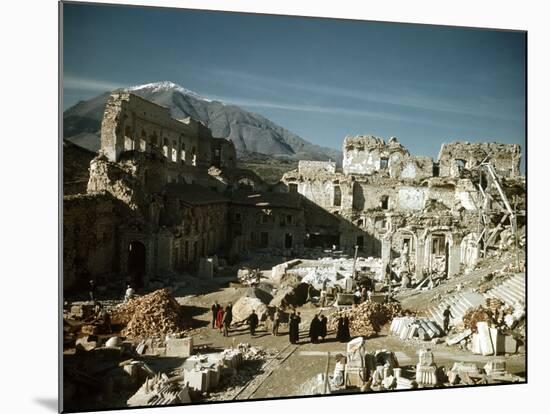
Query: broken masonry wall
(131, 123)
(367, 154)
(362, 154)
(201, 233)
(315, 167)
(256, 227)
(458, 155)
(89, 238)
(413, 168)
(223, 154)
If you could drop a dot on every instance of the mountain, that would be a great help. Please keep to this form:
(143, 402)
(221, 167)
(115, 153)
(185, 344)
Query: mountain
(250, 132)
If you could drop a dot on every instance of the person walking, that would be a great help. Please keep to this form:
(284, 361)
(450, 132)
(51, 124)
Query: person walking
(447, 315)
(227, 319)
(215, 308)
(276, 322)
(219, 318)
(252, 321)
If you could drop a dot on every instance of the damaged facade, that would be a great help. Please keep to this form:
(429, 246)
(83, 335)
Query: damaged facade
(159, 198)
(428, 214)
(164, 193)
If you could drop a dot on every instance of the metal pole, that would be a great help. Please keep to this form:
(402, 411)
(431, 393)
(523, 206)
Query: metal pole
(354, 262)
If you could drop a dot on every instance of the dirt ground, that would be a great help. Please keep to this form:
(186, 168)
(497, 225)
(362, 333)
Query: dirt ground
(309, 360)
(287, 368)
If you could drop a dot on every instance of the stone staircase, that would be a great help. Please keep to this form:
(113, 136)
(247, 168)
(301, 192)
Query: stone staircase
(509, 291)
(459, 303)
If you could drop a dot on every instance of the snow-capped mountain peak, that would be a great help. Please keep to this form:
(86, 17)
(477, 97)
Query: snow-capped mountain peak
(166, 86)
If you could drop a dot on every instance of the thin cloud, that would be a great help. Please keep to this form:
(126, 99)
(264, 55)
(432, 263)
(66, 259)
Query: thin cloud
(406, 97)
(329, 110)
(87, 84)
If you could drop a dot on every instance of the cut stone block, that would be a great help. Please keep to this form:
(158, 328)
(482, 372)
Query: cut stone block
(485, 342)
(179, 347)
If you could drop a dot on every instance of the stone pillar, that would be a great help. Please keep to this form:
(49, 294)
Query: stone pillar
(454, 255)
(420, 246)
(386, 252)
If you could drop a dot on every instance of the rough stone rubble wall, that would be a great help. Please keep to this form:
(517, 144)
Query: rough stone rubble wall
(504, 157)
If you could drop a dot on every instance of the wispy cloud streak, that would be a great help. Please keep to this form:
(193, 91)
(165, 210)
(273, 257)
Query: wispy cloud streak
(87, 84)
(403, 96)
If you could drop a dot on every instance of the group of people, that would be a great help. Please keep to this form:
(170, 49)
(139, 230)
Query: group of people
(361, 294)
(318, 328)
(222, 317)
(342, 329)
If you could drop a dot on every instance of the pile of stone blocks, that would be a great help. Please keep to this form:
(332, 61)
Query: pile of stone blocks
(203, 372)
(409, 327)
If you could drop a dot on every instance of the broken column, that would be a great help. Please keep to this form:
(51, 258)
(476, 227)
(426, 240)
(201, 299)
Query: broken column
(426, 369)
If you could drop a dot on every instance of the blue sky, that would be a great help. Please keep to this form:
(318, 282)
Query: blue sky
(320, 78)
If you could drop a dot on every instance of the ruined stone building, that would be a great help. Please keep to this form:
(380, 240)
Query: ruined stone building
(163, 193)
(393, 204)
(159, 198)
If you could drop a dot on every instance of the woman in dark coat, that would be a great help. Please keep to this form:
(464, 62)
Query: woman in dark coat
(342, 331)
(323, 327)
(314, 329)
(346, 334)
(294, 327)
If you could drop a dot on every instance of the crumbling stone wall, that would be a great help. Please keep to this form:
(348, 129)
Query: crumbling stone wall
(131, 123)
(315, 167)
(456, 156)
(89, 237)
(367, 154)
(265, 225)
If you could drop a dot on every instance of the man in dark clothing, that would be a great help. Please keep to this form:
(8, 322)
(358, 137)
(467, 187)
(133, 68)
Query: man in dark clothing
(323, 327)
(294, 327)
(215, 308)
(314, 329)
(252, 322)
(446, 318)
(227, 319)
(340, 329)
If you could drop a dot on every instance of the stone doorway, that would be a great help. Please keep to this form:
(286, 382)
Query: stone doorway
(136, 263)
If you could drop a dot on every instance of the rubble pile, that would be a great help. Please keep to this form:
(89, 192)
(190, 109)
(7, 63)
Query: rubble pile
(154, 315)
(249, 277)
(492, 311)
(367, 318)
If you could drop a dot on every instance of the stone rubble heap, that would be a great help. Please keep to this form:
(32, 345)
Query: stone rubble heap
(151, 316)
(367, 318)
